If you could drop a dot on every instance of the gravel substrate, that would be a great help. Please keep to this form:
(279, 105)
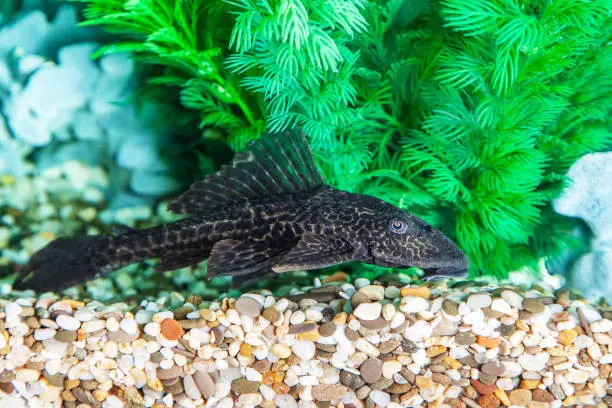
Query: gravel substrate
(339, 346)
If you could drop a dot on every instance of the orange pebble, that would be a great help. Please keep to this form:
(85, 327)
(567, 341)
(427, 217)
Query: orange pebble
(171, 329)
(488, 342)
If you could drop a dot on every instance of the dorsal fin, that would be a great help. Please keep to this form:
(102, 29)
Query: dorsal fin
(275, 164)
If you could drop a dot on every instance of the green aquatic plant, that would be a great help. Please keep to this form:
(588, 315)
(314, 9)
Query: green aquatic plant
(467, 112)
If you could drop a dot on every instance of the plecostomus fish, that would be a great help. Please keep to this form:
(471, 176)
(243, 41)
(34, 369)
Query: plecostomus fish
(267, 212)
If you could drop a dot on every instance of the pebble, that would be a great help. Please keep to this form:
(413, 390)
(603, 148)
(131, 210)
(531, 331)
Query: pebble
(533, 306)
(418, 291)
(373, 292)
(380, 398)
(413, 304)
(479, 301)
(371, 370)
(368, 311)
(304, 349)
(328, 392)
(248, 306)
(520, 397)
(171, 329)
(205, 384)
(67, 322)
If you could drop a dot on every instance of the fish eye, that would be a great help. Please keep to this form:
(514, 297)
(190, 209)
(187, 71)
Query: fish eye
(398, 226)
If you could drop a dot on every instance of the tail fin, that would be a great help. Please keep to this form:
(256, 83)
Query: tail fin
(63, 263)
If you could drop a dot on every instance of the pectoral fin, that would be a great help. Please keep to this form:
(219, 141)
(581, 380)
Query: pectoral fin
(316, 251)
(232, 257)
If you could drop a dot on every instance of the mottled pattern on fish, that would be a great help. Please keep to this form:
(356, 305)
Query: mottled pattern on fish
(267, 212)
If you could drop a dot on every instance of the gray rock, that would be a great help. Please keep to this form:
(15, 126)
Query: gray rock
(55, 89)
(28, 128)
(11, 158)
(90, 153)
(590, 197)
(140, 153)
(78, 55)
(147, 183)
(27, 32)
(85, 126)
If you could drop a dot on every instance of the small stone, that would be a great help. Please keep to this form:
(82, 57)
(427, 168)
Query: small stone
(451, 308)
(533, 362)
(271, 314)
(204, 383)
(374, 293)
(67, 322)
(243, 386)
(479, 301)
(368, 311)
(337, 277)
(390, 367)
(129, 326)
(304, 349)
(413, 304)
(533, 305)
(541, 395)
(567, 337)
(488, 401)
(380, 398)
(351, 380)
(494, 368)
(371, 370)
(501, 306)
(65, 336)
(359, 298)
(327, 329)
(465, 339)
(418, 291)
(281, 350)
(120, 336)
(328, 392)
(388, 346)
(484, 389)
(248, 306)
(191, 389)
(171, 329)
(520, 397)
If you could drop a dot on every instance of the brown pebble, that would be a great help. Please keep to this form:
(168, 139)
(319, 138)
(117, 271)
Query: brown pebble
(465, 339)
(271, 314)
(328, 392)
(32, 322)
(175, 388)
(494, 368)
(327, 329)
(336, 277)
(488, 401)
(388, 346)
(7, 388)
(533, 305)
(441, 378)
(371, 370)
(204, 383)
(351, 380)
(408, 346)
(181, 312)
(542, 395)
(302, 328)
(381, 384)
(218, 332)
(520, 397)
(243, 386)
(399, 388)
(375, 324)
(172, 372)
(7, 376)
(194, 300)
(484, 389)
(56, 380)
(487, 379)
(65, 336)
(450, 307)
(248, 306)
(120, 336)
(359, 298)
(193, 323)
(261, 366)
(350, 334)
(507, 329)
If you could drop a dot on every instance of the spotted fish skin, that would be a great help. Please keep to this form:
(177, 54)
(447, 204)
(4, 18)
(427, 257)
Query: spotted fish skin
(267, 212)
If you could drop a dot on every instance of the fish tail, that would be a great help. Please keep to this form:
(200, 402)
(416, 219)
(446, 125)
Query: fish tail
(66, 262)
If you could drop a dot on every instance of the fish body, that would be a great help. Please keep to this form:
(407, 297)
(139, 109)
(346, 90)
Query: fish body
(267, 212)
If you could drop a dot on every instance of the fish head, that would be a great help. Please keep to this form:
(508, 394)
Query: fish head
(402, 240)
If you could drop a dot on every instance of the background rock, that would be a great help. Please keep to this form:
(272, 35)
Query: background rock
(590, 197)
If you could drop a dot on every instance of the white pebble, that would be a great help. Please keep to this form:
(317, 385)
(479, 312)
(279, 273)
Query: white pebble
(152, 329)
(253, 375)
(42, 334)
(391, 367)
(297, 318)
(479, 301)
(513, 298)
(129, 326)
(361, 282)
(413, 304)
(84, 314)
(368, 311)
(380, 398)
(304, 349)
(285, 401)
(68, 322)
(313, 315)
(601, 326)
(535, 362)
(143, 317)
(501, 306)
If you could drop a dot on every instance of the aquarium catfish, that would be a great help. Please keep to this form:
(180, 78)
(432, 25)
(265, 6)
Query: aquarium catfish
(267, 212)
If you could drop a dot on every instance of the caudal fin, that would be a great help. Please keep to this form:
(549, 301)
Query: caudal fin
(63, 263)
